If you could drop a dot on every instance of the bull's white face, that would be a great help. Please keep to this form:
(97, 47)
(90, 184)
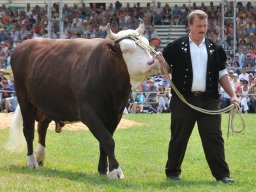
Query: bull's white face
(140, 63)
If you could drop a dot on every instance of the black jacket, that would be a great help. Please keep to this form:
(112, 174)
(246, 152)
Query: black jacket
(177, 55)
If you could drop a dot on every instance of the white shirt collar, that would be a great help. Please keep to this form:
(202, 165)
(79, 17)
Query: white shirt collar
(190, 40)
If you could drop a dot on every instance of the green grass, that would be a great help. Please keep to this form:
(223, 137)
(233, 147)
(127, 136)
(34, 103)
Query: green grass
(72, 158)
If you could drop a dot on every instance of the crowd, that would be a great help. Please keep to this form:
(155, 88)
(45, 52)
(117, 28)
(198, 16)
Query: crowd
(90, 21)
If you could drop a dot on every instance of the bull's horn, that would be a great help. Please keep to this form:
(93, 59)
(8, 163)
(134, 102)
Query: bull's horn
(110, 34)
(141, 27)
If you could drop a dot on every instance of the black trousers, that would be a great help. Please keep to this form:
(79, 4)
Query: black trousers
(183, 119)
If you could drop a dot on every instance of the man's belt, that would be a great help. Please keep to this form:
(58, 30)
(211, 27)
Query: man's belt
(197, 93)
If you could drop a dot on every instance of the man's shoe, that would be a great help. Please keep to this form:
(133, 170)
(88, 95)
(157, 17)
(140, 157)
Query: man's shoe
(174, 177)
(226, 180)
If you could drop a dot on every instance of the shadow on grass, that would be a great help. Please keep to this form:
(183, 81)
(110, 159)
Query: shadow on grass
(77, 176)
(97, 179)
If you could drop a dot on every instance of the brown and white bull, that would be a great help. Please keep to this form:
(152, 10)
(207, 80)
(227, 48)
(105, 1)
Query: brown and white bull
(87, 80)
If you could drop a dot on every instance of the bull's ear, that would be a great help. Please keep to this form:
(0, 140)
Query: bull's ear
(141, 27)
(110, 34)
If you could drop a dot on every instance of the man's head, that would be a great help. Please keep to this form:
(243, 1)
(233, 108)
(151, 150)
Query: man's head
(235, 76)
(248, 56)
(198, 24)
(245, 83)
(155, 42)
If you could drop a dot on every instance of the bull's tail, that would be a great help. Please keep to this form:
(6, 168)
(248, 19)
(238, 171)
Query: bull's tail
(16, 142)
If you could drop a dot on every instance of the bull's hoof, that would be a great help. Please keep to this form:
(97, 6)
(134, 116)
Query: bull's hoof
(40, 154)
(31, 161)
(116, 174)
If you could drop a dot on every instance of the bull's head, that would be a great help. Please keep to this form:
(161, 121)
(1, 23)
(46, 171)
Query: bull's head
(140, 63)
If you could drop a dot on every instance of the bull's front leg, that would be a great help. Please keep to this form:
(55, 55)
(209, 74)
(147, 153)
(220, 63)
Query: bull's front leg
(115, 172)
(103, 164)
(107, 145)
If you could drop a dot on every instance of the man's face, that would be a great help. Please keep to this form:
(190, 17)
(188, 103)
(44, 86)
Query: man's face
(198, 28)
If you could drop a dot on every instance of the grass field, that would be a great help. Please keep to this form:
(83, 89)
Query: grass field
(72, 158)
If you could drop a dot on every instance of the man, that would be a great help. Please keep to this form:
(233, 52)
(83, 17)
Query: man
(198, 65)
(244, 75)
(155, 42)
(248, 59)
(5, 92)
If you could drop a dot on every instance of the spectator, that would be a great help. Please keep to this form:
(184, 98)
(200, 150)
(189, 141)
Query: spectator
(150, 33)
(4, 93)
(152, 92)
(236, 61)
(250, 29)
(248, 60)
(244, 75)
(15, 34)
(244, 96)
(176, 15)
(1, 77)
(11, 104)
(251, 79)
(158, 14)
(103, 28)
(225, 98)
(253, 94)
(132, 107)
(235, 82)
(155, 42)
(24, 32)
(167, 15)
(162, 100)
(140, 98)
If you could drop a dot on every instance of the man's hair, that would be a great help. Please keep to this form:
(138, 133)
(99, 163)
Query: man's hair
(196, 13)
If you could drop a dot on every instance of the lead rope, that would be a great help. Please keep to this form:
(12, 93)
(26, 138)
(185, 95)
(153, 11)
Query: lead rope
(234, 109)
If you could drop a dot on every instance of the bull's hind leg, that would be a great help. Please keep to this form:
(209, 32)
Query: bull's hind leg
(28, 115)
(41, 129)
(107, 144)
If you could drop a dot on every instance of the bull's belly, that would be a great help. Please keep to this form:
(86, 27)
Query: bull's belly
(62, 116)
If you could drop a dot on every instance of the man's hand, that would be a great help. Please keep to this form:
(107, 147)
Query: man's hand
(159, 56)
(234, 100)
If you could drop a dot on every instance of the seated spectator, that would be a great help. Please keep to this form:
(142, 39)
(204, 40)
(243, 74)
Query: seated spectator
(162, 100)
(253, 95)
(132, 107)
(140, 98)
(250, 29)
(251, 39)
(176, 15)
(225, 98)
(236, 61)
(5, 92)
(235, 82)
(244, 96)
(155, 42)
(11, 104)
(1, 77)
(251, 79)
(248, 60)
(152, 92)
(150, 33)
(158, 14)
(244, 75)
(166, 18)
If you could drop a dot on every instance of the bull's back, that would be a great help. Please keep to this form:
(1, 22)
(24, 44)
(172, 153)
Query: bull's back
(48, 73)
